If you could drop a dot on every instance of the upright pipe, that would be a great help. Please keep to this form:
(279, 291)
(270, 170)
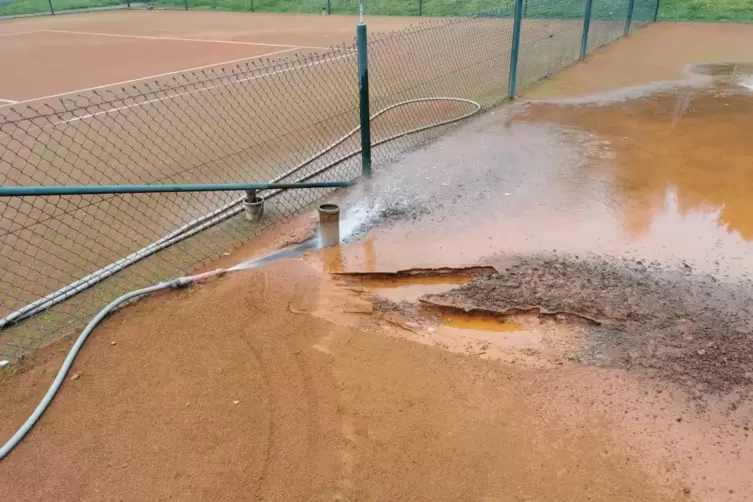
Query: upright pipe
(185, 2)
(52, 11)
(420, 7)
(629, 19)
(515, 48)
(329, 225)
(128, 3)
(586, 29)
(363, 97)
(656, 10)
(329, 7)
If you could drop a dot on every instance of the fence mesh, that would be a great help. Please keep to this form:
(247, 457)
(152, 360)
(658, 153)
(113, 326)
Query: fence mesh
(260, 122)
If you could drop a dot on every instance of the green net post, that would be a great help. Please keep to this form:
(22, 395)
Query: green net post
(52, 10)
(656, 10)
(515, 51)
(363, 97)
(586, 29)
(629, 19)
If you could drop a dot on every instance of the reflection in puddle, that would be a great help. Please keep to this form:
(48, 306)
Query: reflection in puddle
(493, 331)
(695, 145)
(478, 323)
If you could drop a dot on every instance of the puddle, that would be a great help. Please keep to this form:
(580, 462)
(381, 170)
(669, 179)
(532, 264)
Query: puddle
(677, 156)
(664, 176)
(488, 331)
(478, 323)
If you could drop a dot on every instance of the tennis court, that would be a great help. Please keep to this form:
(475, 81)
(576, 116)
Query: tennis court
(53, 57)
(159, 97)
(137, 97)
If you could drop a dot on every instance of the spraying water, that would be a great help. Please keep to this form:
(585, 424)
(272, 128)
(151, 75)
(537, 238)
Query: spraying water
(354, 220)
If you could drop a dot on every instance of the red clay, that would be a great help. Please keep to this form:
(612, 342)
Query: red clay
(142, 45)
(232, 391)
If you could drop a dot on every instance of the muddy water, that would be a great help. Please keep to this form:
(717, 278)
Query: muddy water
(662, 175)
(486, 324)
(682, 157)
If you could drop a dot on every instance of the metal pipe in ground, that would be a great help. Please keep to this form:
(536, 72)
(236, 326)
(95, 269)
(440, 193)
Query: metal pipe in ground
(329, 225)
(253, 206)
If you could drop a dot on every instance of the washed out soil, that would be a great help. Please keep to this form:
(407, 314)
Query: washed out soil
(234, 390)
(664, 321)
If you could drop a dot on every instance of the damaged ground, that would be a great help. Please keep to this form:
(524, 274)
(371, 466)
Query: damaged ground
(688, 328)
(321, 374)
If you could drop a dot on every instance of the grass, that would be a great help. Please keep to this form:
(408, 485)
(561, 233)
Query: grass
(735, 11)
(25, 7)
(670, 10)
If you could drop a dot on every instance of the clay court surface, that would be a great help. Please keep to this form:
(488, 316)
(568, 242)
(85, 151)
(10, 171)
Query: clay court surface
(47, 56)
(288, 383)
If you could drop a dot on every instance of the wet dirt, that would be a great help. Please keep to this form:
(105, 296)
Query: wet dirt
(690, 329)
(252, 395)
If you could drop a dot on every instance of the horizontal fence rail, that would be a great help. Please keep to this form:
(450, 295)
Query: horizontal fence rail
(71, 239)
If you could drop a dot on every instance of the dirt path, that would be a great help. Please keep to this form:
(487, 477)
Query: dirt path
(221, 391)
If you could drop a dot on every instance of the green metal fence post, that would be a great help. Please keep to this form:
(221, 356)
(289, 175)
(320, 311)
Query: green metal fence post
(52, 11)
(515, 48)
(656, 10)
(586, 29)
(185, 2)
(363, 98)
(128, 2)
(629, 20)
(329, 7)
(251, 4)
(420, 7)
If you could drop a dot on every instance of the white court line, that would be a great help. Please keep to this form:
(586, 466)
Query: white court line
(9, 101)
(194, 91)
(17, 33)
(179, 39)
(184, 70)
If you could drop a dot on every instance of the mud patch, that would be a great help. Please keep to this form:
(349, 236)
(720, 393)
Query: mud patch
(521, 339)
(668, 323)
(420, 272)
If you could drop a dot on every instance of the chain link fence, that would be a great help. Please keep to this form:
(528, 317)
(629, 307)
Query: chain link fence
(608, 9)
(281, 120)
